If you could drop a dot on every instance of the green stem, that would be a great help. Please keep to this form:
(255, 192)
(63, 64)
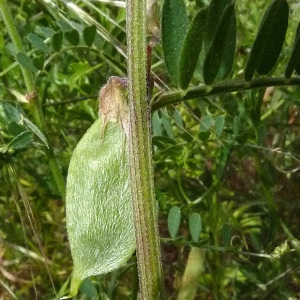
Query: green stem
(34, 103)
(165, 98)
(193, 270)
(141, 165)
(12, 31)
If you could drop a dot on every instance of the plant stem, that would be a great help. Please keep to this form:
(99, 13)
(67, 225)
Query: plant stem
(141, 165)
(165, 98)
(34, 101)
(193, 270)
(12, 31)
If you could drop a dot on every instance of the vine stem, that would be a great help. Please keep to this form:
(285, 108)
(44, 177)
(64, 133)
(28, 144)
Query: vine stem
(140, 153)
(166, 98)
(35, 105)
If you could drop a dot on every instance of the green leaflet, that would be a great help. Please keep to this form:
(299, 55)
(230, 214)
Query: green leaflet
(173, 30)
(269, 40)
(191, 48)
(174, 218)
(220, 56)
(98, 201)
(72, 36)
(294, 62)
(38, 43)
(215, 11)
(24, 60)
(57, 40)
(195, 226)
(89, 34)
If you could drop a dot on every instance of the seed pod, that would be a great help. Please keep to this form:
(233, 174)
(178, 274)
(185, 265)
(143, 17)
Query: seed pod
(98, 202)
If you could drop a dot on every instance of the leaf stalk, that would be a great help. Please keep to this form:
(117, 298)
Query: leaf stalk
(163, 99)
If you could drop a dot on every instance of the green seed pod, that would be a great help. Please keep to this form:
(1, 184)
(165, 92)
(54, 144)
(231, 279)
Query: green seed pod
(98, 202)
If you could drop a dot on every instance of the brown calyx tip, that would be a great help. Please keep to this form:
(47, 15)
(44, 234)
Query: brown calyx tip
(113, 105)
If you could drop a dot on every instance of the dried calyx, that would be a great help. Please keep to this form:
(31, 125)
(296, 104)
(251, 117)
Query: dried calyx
(113, 105)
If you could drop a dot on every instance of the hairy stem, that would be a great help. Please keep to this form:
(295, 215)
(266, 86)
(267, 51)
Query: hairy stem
(141, 166)
(165, 98)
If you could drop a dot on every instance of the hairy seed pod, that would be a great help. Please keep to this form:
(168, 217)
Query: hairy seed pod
(98, 202)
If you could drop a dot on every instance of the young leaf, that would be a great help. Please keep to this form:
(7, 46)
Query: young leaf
(89, 34)
(220, 56)
(156, 124)
(269, 40)
(72, 36)
(39, 61)
(36, 131)
(24, 60)
(219, 125)
(174, 218)
(204, 135)
(294, 61)
(45, 31)
(57, 40)
(206, 123)
(195, 226)
(21, 141)
(11, 112)
(191, 48)
(173, 31)
(14, 128)
(38, 43)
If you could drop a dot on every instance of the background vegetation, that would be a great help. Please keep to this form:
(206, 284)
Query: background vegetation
(213, 159)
